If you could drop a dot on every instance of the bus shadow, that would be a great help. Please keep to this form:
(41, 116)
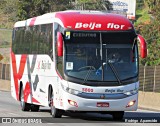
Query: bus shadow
(142, 114)
(45, 110)
(129, 117)
(89, 116)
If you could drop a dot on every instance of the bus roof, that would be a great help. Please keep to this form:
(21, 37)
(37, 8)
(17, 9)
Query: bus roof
(81, 20)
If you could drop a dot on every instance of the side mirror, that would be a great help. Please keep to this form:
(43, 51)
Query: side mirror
(143, 46)
(59, 44)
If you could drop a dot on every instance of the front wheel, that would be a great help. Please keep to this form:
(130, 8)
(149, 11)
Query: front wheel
(56, 113)
(24, 106)
(118, 115)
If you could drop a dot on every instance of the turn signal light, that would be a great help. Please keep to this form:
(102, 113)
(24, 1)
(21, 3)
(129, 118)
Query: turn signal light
(73, 103)
(131, 103)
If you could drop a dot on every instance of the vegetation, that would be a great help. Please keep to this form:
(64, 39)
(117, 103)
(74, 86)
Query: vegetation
(31, 8)
(149, 28)
(1, 57)
(5, 38)
(93, 5)
(8, 13)
(11, 12)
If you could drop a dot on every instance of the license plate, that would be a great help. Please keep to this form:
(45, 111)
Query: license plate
(102, 104)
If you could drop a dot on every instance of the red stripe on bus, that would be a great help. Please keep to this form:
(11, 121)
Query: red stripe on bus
(32, 21)
(34, 100)
(27, 91)
(17, 75)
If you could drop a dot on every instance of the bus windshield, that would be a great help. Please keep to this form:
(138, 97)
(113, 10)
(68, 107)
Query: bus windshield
(101, 58)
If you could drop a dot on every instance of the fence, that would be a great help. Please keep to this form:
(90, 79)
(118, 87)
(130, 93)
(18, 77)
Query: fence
(149, 77)
(4, 71)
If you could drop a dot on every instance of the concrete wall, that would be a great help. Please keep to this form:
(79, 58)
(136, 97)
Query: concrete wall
(149, 100)
(5, 85)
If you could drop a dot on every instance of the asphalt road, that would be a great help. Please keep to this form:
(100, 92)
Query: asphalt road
(10, 109)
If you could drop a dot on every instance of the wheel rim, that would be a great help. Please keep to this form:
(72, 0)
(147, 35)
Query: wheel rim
(22, 98)
(52, 105)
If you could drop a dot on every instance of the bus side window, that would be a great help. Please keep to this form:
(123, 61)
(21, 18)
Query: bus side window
(49, 41)
(34, 40)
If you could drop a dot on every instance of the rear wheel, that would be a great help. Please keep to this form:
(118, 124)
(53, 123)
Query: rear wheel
(118, 115)
(56, 113)
(24, 106)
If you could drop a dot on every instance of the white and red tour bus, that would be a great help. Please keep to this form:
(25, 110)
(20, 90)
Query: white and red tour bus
(83, 61)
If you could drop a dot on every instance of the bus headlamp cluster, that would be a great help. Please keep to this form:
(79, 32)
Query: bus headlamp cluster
(69, 90)
(132, 92)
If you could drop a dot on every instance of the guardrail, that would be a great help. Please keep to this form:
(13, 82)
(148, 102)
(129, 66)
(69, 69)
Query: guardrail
(149, 77)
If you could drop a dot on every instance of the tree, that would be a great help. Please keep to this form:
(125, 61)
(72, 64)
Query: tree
(8, 13)
(93, 5)
(151, 33)
(32, 8)
(61, 5)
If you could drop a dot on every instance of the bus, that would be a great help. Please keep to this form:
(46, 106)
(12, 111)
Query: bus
(76, 61)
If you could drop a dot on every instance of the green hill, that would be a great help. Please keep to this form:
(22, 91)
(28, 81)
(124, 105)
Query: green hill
(5, 38)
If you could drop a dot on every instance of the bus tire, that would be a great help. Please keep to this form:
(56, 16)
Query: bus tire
(56, 113)
(24, 106)
(34, 108)
(117, 116)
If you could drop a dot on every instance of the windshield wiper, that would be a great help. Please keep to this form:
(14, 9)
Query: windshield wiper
(115, 73)
(87, 75)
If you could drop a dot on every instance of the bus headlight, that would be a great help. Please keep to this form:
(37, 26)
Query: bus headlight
(132, 92)
(69, 90)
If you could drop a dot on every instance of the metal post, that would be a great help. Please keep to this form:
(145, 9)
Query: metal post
(154, 86)
(144, 77)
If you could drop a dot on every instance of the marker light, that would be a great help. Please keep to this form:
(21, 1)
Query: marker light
(132, 92)
(69, 90)
(73, 103)
(131, 103)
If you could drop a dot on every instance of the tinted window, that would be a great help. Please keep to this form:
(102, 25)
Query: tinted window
(33, 40)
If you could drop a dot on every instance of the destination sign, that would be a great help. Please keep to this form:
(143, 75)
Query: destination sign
(78, 36)
(90, 35)
(69, 35)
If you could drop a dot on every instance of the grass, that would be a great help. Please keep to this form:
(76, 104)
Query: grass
(5, 42)
(5, 38)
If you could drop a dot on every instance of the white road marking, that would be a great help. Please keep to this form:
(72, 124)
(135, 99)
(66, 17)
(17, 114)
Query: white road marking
(13, 114)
